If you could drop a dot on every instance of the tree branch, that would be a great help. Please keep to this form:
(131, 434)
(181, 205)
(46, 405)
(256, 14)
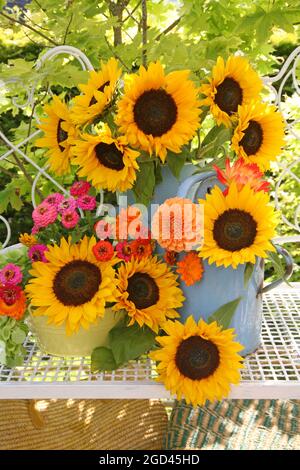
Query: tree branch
(35, 24)
(34, 42)
(13, 20)
(130, 13)
(168, 29)
(7, 172)
(116, 10)
(68, 27)
(39, 5)
(116, 55)
(26, 174)
(144, 32)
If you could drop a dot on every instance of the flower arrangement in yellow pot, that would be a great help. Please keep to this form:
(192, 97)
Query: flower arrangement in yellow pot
(118, 135)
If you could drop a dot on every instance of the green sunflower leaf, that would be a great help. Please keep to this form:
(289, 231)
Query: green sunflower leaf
(248, 273)
(130, 342)
(224, 314)
(176, 162)
(103, 359)
(145, 183)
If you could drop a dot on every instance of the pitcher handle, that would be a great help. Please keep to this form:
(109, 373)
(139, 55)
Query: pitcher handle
(189, 182)
(288, 270)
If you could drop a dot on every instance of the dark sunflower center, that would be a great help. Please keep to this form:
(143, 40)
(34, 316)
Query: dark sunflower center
(77, 283)
(109, 156)
(229, 95)
(142, 290)
(253, 137)
(155, 112)
(234, 230)
(93, 100)
(197, 358)
(61, 135)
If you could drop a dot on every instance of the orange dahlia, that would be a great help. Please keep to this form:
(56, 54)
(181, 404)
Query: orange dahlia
(12, 301)
(190, 268)
(242, 173)
(177, 223)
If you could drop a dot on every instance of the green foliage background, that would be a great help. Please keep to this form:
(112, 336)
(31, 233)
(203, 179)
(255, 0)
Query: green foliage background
(182, 34)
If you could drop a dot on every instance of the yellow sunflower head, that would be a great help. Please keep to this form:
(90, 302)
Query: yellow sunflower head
(72, 287)
(58, 130)
(96, 94)
(238, 227)
(158, 111)
(259, 135)
(106, 162)
(198, 362)
(232, 84)
(148, 291)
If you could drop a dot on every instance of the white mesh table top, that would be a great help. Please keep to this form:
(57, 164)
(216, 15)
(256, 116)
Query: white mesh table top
(273, 371)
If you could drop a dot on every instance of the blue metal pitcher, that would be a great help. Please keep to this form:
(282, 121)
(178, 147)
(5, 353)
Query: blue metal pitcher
(220, 285)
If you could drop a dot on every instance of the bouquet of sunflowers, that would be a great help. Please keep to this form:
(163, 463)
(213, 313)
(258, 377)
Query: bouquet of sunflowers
(141, 135)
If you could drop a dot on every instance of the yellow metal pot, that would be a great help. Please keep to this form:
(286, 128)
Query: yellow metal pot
(53, 339)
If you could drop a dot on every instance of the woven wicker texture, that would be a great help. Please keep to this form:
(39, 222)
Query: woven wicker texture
(82, 424)
(236, 424)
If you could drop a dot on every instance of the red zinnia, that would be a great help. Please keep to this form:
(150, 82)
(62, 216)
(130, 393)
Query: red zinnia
(171, 257)
(103, 250)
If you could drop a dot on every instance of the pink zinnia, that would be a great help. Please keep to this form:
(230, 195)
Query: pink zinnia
(80, 188)
(44, 215)
(54, 199)
(67, 204)
(10, 293)
(37, 253)
(103, 229)
(87, 203)
(11, 273)
(124, 250)
(70, 219)
(34, 230)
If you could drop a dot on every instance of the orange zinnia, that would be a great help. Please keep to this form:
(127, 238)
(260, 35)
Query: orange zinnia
(176, 225)
(141, 248)
(190, 268)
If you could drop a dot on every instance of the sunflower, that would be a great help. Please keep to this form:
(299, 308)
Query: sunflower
(96, 93)
(237, 227)
(259, 135)
(232, 84)
(158, 111)
(58, 130)
(73, 287)
(106, 162)
(198, 362)
(148, 291)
